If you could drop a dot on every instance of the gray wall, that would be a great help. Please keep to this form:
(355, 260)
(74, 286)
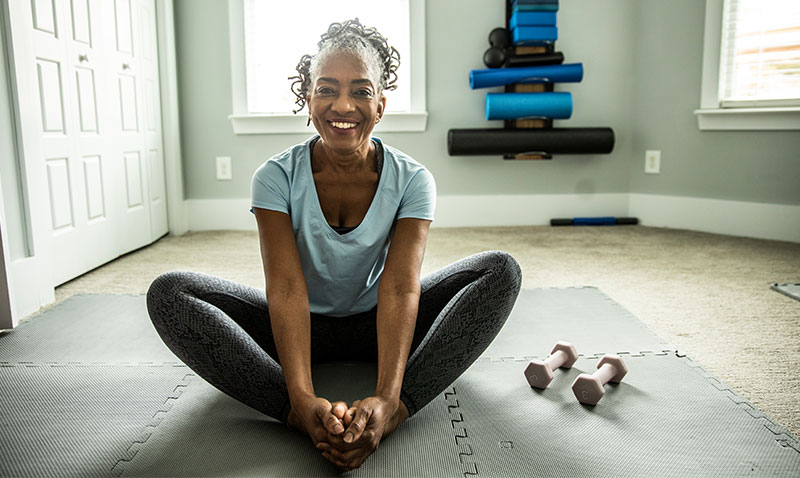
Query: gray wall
(642, 61)
(757, 166)
(596, 33)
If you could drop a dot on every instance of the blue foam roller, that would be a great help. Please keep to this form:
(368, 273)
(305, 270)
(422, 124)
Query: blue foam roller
(526, 19)
(534, 35)
(594, 221)
(566, 73)
(502, 106)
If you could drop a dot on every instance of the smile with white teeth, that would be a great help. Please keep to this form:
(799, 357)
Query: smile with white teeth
(343, 125)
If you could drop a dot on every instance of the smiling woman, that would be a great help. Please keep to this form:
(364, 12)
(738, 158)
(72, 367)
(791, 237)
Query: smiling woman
(343, 220)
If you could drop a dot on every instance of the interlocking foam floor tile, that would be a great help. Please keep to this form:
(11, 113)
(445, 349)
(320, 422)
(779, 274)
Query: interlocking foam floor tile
(585, 317)
(78, 419)
(88, 328)
(207, 433)
(666, 418)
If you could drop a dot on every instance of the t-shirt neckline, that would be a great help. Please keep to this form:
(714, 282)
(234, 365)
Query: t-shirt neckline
(321, 216)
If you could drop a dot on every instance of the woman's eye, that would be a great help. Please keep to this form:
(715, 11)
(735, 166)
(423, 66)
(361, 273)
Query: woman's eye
(324, 90)
(363, 92)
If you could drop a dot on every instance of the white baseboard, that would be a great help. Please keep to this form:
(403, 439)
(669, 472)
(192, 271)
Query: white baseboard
(736, 218)
(451, 211)
(524, 210)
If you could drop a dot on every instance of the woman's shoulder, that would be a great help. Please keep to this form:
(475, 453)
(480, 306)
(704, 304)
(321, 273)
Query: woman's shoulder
(287, 160)
(403, 161)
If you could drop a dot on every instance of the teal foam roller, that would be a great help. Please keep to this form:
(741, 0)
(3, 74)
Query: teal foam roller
(503, 106)
(566, 73)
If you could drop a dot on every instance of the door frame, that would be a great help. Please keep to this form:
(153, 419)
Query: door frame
(27, 282)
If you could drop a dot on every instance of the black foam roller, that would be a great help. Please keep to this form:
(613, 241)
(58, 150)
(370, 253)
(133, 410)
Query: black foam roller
(556, 58)
(474, 142)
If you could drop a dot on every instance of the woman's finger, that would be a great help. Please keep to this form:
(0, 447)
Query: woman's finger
(356, 428)
(332, 424)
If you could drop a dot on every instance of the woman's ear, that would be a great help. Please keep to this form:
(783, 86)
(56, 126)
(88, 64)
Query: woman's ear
(381, 105)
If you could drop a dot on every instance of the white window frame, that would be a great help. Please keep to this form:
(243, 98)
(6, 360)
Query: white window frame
(711, 116)
(244, 122)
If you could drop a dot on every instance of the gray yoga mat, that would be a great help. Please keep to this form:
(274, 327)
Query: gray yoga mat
(109, 418)
(79, 419)
(88, 328)
(585, 316)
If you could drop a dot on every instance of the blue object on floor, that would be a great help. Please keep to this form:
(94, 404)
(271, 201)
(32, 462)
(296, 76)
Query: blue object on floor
(566, 73)
(534, 35)
(527, 19)
(502, 106)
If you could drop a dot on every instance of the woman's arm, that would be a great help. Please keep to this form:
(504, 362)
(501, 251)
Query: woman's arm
(287, 299)
(398, 300)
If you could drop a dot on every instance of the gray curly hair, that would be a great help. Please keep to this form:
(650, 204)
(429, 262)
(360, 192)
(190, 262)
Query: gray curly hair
(381, 59)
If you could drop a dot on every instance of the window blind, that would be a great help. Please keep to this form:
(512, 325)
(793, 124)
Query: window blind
(760, 53)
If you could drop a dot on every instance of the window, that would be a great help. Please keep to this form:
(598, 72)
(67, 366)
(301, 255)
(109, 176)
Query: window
(751, 65)
(268, 39)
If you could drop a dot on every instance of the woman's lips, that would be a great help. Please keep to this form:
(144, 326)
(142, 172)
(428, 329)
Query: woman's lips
(343, 127)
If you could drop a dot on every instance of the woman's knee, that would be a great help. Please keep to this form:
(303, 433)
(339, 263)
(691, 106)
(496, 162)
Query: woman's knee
(168, 289)
(502, 266)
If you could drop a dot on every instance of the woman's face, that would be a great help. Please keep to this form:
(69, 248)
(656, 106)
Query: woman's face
(343, 103)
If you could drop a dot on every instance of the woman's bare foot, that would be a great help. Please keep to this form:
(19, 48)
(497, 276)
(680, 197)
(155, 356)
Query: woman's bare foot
(293, 422)
(399, 417)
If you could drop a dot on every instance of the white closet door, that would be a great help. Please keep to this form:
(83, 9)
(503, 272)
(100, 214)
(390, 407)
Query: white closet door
(151, 95)
(88, 147)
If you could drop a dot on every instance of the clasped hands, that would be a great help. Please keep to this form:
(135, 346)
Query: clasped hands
(346, 435)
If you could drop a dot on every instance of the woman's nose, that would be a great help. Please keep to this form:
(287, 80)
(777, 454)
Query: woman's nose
(342, 103)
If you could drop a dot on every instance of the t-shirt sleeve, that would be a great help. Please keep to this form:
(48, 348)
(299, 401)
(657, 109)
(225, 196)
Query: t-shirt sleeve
(419, 199)
(269, 188)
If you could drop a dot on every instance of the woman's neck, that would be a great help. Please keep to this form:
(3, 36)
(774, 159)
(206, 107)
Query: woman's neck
(355, 161)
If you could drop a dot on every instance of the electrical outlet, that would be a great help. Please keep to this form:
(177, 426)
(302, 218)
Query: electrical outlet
(652, 162)
(224, 172)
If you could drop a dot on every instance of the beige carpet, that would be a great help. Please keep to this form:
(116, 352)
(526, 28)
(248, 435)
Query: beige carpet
(707, 294)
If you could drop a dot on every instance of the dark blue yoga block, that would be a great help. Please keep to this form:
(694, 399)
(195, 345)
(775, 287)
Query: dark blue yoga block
(544, 7)
(503, 106)
(566, 73)
(528, 19)
(533, 2)
(534, 35)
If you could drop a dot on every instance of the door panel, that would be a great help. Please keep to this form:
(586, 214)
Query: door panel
(60, 194)
(81, 22)
(50, 97)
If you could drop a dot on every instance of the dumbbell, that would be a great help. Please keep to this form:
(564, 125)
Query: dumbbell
(588, 389)
(497, 55)
(540, 373)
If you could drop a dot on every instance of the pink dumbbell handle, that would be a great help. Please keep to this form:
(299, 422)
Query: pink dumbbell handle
(556, 360)
(605, 373)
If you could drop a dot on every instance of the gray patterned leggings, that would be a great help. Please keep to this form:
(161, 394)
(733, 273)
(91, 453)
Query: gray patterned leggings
(221, 330)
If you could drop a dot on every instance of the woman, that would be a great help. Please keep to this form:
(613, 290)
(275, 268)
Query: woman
(342, 220)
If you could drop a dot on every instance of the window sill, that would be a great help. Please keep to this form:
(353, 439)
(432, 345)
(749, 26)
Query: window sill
(280, 123)
(752, 119)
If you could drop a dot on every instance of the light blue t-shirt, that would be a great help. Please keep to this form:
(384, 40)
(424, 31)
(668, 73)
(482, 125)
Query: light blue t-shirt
(342, 271)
